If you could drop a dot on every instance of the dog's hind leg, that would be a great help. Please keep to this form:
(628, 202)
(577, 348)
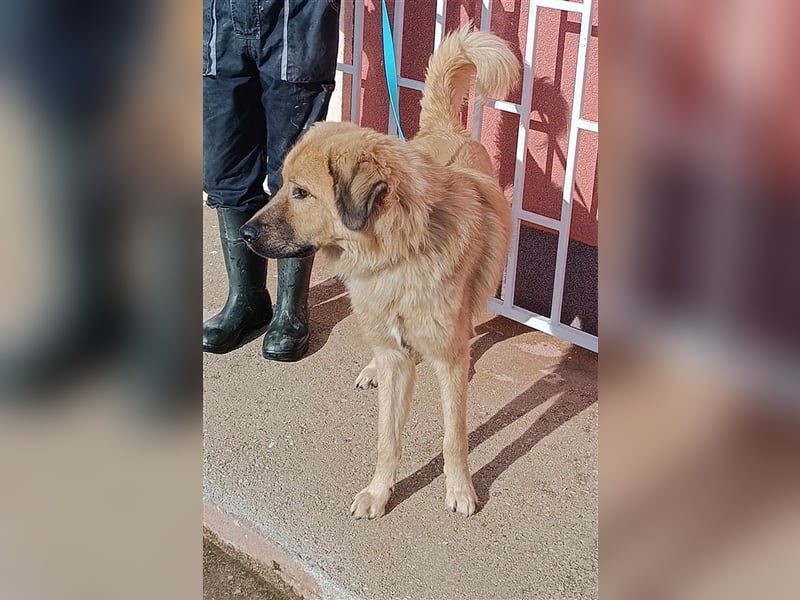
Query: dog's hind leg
(368, 377)
(452, 373)
(396, 372)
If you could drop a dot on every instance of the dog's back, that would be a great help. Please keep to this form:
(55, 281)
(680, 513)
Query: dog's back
(462, 55)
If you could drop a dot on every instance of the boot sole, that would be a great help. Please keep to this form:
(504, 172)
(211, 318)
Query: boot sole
(243, 341)
(287, 356)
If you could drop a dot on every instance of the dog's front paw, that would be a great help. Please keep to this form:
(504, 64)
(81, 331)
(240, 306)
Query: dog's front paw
(370, 503)
(461, 498)
(367, 378)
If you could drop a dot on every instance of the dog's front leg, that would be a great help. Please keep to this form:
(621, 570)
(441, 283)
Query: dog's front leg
(452, 375)
(396, 373)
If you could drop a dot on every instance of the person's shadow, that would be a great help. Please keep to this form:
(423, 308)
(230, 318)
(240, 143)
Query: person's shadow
(567, 403)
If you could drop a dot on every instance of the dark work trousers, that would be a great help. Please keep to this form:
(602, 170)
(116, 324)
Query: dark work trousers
(268, 71)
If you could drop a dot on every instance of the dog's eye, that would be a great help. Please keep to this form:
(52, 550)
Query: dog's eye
(299, 193)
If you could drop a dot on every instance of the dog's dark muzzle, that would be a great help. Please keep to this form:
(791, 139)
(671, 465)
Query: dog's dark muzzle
(274, 244)
(250, 233)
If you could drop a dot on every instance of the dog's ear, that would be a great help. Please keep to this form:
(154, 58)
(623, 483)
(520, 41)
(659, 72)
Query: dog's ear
(358, 187)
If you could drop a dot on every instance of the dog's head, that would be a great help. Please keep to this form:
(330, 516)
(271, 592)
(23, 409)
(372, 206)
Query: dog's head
(332, 188)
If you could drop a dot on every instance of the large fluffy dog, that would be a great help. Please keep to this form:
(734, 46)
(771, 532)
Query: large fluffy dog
(419, 232)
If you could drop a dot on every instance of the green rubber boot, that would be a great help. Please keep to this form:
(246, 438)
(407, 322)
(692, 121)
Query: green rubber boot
(248, 309)
(287, 337)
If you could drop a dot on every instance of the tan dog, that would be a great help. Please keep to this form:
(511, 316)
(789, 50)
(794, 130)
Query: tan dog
(419, 233)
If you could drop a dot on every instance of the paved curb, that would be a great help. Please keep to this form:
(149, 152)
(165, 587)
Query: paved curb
(265, 553)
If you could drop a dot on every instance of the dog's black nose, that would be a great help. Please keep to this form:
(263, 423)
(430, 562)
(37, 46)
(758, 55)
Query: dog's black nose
(249, 232)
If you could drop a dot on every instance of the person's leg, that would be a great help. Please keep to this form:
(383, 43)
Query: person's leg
(234, 167)
(297, 72)
(292, 108)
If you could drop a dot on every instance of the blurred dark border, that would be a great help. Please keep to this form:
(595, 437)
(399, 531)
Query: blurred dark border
(100, 310)
(699, 297)
(106, 112)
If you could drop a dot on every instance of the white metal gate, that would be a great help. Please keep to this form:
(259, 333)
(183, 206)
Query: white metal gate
(505, 304)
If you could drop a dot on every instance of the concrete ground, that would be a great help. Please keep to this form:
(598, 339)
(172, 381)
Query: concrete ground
(288, 445)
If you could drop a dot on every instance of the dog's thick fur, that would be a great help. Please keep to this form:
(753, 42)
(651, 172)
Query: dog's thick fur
(419, 232)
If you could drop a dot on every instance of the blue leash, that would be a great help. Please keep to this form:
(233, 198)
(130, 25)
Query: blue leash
(390, 67)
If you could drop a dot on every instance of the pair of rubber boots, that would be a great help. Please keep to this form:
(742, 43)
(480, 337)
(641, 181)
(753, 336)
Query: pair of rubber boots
(248, 311)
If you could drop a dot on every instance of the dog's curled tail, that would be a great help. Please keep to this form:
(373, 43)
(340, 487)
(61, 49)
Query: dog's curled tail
(462, 54)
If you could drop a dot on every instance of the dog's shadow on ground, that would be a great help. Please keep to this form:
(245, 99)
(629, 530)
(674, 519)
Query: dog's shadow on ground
(488, 334)
(329, 304)
(567, 404)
